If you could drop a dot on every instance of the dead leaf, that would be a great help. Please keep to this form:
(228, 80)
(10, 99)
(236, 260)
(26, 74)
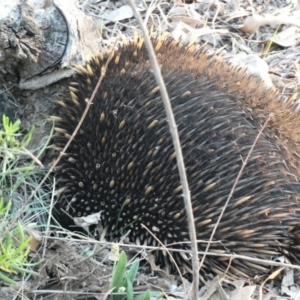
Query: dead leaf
(88, 220)
(35, 241)
(239, 283)
(288, 286)
(287, 38)
(252, 24)
(119, 14)
(214, 286)
(244, 293)
(185, 14)
(188, 34)
(151, 260)
(254, 66)
(271, 276)
(36, 236)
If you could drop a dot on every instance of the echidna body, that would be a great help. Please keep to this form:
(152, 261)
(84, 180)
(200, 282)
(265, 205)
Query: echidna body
(122, 161)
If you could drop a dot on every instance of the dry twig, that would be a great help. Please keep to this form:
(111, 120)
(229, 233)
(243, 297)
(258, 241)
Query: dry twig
(179, 156)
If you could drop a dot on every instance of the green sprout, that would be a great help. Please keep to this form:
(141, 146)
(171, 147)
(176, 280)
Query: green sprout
(122, 281)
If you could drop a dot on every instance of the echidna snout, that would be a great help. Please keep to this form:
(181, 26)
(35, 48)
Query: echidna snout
(122, 161)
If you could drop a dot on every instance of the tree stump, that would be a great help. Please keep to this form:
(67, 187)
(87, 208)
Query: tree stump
(40, 40)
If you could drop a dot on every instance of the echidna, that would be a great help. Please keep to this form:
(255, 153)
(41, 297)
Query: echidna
(122, 161)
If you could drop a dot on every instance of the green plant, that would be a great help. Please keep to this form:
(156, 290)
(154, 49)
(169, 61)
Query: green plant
(20, 169)
(10, 145)
(122, 281)
(18, 173)
(14, 248)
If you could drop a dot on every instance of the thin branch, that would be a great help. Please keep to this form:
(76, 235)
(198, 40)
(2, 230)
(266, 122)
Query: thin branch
(179, 156)
(169, 253)
(88, 104)
(232, 190)
(84, 239)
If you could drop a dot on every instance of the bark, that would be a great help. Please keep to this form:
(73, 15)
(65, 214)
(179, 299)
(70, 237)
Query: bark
(41, 39)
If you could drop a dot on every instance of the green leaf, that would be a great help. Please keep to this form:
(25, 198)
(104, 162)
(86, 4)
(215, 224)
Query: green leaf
(129, 289)
(8, 242)
(27, 138)
(145, 296)
(133, 270)
(119, 271)
(4, 207)
(15, 127)
(6, 279)
(20, 232)
(23, 247)
(23, 270)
